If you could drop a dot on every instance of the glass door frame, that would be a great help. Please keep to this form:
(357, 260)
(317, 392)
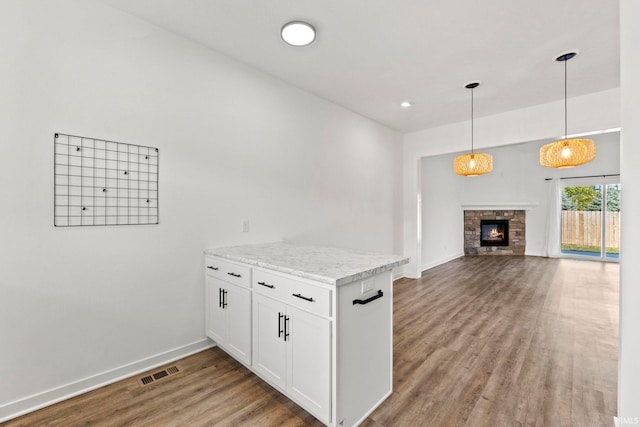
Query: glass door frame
(603, 182)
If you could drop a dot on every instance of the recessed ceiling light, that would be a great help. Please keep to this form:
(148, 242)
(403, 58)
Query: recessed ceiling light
(406, 104)
(298, 33)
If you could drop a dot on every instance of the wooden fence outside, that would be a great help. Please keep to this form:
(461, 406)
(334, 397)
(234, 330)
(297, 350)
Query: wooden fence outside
(584, 228)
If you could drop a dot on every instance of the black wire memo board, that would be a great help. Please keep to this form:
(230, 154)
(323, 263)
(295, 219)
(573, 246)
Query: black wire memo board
(99, 182)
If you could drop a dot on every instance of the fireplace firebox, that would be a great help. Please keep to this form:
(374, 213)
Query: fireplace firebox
(494, 232)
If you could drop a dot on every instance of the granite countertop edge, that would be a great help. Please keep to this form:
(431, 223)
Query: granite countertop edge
(388, 264)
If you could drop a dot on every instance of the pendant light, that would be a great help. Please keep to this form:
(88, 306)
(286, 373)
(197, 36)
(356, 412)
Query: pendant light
(472, 164)
(567, 153)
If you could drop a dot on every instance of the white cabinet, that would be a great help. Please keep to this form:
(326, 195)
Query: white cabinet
(292, 350)
(309, 361)
(269, 350)
(216, 315)
(229, 317)
(326, 346)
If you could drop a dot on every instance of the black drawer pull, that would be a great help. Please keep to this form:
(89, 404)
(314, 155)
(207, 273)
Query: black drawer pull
(213, 268)
(280, 330)
(303, 297)
(368, 300)
(234, 274)
(266, 284)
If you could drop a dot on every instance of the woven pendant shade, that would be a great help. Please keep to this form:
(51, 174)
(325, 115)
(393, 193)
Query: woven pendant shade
(567, 153)
(473, 164)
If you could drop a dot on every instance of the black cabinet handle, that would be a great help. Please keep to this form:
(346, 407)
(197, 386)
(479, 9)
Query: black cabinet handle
(234, 274)
(286, 327)
(224, 298)
(266, 284)
(368, 300)
(213, 268)
(220, 297)
(280, 330)
(303, 297)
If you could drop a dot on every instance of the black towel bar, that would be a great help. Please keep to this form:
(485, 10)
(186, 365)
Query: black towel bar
(368, 300)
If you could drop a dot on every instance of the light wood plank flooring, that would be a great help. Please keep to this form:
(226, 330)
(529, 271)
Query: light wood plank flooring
(479, 341)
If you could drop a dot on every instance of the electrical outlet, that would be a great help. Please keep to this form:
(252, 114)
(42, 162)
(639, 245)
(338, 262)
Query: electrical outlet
(245, 226)
(367, 286)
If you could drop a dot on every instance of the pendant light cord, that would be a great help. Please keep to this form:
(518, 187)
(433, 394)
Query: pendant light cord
(472, 120)
(565, 99)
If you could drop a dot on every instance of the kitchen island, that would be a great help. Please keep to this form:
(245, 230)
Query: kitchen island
(314, 322)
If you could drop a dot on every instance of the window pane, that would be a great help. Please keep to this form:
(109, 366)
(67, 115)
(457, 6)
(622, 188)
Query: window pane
(582, 220)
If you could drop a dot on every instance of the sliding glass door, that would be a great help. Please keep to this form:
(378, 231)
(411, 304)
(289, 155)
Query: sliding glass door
(590, 224)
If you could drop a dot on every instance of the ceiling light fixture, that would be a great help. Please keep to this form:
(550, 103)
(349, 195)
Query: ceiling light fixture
(567, 152)
(473, 164)
(406, 104)
(298, 33)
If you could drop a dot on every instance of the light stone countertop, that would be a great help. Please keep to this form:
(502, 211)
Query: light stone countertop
(334, 266)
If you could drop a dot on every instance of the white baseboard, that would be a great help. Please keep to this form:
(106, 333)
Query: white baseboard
(397, 275)
(49, 397)
(441, 261)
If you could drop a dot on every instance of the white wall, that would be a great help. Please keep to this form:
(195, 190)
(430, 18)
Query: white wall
(516, 177)
(593, 112)
(86, 305)
(629, 378)
(441, 213)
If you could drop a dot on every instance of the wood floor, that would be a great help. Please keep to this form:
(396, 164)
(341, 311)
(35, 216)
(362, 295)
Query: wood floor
(479, 341)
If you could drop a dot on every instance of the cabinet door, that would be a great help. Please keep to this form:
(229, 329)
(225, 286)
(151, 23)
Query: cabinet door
(238, 311)
(269, 347)
(309, 361)
(216, 317)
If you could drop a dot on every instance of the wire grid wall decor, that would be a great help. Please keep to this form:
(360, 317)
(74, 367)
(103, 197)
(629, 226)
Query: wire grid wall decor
(99, 182)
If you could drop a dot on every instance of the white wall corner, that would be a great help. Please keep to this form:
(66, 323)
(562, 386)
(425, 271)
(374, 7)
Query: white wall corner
(397, 275)
(412, 217)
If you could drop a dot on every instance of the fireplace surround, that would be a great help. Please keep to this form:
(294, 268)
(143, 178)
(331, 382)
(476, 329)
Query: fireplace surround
(512, 242)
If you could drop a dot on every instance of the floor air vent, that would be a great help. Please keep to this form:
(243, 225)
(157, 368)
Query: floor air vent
(157, 376)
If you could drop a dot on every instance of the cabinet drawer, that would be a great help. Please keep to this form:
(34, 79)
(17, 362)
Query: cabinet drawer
(315, 299)
(229, 271)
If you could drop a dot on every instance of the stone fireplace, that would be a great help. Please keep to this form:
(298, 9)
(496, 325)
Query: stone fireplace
(494, 232)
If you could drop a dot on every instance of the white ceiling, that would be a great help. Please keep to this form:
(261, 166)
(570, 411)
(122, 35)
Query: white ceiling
(369, 55)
